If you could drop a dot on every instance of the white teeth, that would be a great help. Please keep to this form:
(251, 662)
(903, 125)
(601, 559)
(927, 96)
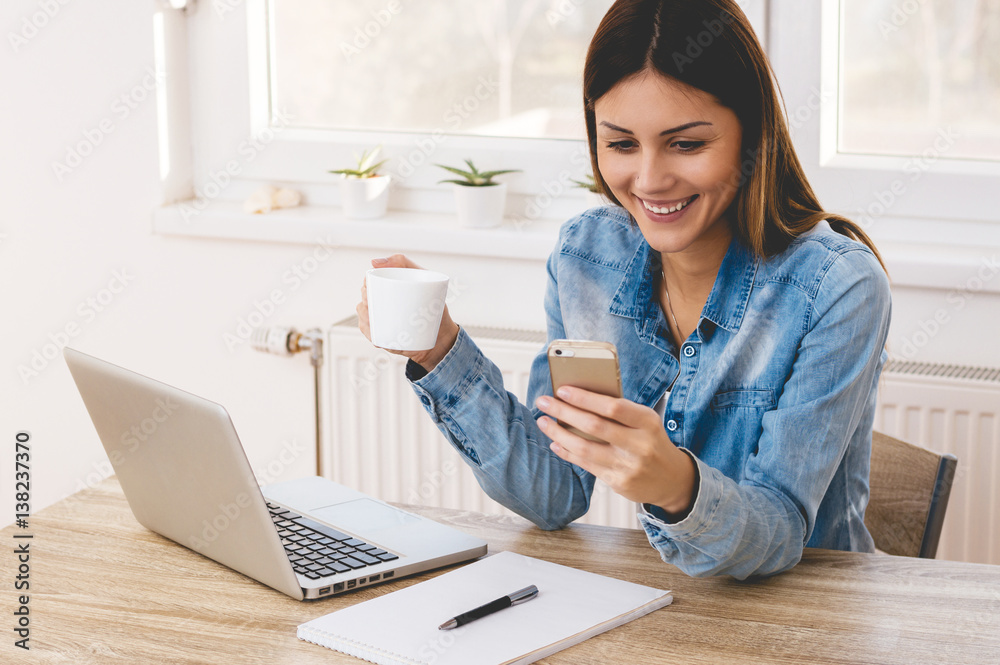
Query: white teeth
(667, 211)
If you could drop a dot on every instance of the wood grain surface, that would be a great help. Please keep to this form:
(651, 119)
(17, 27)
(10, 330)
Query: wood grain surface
(902, 483)
(106, 590)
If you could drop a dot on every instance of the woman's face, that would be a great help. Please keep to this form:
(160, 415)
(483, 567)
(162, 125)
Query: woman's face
(671, 155)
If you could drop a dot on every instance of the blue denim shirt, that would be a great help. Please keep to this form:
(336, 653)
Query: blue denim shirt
(774, 394)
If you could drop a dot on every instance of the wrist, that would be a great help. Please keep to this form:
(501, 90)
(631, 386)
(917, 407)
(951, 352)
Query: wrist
(447, 336)
(683, 487)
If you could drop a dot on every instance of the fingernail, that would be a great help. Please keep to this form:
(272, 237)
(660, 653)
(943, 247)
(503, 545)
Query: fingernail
(543, 423)
(563, 392)
(380, 261)
(543, 402)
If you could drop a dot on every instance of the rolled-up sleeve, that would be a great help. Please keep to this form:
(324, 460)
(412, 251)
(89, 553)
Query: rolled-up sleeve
(499, 437)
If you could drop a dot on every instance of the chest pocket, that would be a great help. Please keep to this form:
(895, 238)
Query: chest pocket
(737, 418)
(762, 399)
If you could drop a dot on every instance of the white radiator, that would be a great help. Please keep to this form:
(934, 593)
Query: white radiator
(952, 409)
(380, 440)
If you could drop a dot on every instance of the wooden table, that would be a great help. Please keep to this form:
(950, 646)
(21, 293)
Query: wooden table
(106, 590)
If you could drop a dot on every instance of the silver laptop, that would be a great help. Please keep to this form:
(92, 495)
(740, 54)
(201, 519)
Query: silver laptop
(186, 477)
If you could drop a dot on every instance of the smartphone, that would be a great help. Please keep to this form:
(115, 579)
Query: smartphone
(584, 364)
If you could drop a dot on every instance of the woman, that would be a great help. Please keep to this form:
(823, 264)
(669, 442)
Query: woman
(750, 324)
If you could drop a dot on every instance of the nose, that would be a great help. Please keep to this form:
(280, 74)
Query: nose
(655, 174)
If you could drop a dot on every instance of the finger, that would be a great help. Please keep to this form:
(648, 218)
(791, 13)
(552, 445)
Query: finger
(616, 409)
(394, 261)
(362, 310)
(585, 421)
(592, 456)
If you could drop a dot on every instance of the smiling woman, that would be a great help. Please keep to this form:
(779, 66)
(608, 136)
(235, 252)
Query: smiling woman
(744, 430)
(676, 182)
(716, 67)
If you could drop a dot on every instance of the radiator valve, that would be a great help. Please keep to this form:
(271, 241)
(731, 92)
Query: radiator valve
(285, 341)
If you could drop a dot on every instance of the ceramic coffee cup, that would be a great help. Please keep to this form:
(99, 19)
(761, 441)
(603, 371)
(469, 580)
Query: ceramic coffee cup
(405, 307)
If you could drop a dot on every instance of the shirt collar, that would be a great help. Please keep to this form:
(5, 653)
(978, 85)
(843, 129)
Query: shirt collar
(635, 293)
(726, 303)
(728, 300)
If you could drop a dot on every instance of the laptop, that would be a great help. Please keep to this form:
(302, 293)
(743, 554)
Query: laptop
(186, 477)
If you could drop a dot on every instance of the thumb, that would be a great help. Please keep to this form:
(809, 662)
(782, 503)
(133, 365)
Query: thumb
(394, 261)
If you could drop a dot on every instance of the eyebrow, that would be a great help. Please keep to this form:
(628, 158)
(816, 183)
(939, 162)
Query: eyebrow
(673, 130)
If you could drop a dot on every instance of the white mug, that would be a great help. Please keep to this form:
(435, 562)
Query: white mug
(405, 307)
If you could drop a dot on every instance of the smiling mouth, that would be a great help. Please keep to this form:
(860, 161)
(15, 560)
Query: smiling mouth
(666, 210)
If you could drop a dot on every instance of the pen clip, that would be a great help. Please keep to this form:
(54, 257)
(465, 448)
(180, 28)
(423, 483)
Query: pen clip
(523, 595)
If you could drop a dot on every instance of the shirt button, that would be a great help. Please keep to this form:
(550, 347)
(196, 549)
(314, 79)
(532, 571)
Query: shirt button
(672, 425)
(688, 350)
(425, 399)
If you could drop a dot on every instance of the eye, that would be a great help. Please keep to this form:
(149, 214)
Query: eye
(625, 145)
(688, 146)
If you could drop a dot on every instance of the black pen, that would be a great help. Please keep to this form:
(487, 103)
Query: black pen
(516, 598)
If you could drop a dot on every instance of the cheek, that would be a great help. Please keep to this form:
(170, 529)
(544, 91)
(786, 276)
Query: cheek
(713, 173)
(614, 170)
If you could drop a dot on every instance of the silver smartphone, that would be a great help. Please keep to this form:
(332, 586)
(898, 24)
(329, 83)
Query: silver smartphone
(584, 364)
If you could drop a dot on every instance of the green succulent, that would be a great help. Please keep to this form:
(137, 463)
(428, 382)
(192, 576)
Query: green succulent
(474, 177)
(587, 183)
(367, 166)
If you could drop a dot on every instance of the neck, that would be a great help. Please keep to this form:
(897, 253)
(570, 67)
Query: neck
(691, 273)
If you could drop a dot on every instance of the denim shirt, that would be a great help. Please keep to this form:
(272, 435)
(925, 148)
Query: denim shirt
(774, 394)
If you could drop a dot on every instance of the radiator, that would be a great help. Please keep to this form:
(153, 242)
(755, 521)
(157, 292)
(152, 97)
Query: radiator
(952, 409)
(379, 439)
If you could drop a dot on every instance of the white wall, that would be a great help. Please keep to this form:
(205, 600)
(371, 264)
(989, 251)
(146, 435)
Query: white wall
(958, 324)
(61, 242)
(66, 239)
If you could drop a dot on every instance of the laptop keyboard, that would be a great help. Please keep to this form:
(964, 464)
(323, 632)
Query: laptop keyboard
(317, 550)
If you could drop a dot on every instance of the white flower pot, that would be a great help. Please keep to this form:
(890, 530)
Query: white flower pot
(480, 207)
(364, 198)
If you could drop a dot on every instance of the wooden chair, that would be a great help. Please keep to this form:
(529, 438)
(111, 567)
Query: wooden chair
(909, 495)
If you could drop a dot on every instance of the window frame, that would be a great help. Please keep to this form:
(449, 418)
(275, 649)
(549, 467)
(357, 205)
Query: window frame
(876, 190)
(301, 157)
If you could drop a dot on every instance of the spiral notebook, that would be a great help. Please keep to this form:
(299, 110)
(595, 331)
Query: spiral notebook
(402, 627)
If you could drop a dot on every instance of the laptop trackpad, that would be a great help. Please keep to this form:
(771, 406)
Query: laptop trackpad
(363, 516)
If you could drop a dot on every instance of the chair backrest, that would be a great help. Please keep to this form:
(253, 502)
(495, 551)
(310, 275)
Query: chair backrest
(909, 495)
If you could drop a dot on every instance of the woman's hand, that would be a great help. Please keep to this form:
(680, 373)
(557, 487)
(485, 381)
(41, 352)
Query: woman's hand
(447, 333)
(639, 461)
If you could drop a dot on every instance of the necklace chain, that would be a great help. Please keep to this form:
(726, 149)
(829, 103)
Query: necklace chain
(670, 307)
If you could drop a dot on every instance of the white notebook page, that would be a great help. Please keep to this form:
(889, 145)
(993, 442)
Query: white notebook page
(402, 626)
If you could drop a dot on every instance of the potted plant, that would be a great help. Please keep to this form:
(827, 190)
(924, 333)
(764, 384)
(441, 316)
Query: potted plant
(478, 200)
(591, 192)
(364, 193)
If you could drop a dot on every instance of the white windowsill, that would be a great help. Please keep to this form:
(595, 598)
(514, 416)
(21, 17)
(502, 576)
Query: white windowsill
(934, 265)
(397, 231)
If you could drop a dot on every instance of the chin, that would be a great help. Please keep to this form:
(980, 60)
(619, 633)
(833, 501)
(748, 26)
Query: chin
(670, 245)
(670, 239)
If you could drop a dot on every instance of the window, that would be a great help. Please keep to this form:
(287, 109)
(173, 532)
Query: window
(508, 68)
(284, 91)
(875, 152)
(914, 72)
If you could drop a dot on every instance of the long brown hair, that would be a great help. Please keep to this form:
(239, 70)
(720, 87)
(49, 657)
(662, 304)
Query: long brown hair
(710, 45)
